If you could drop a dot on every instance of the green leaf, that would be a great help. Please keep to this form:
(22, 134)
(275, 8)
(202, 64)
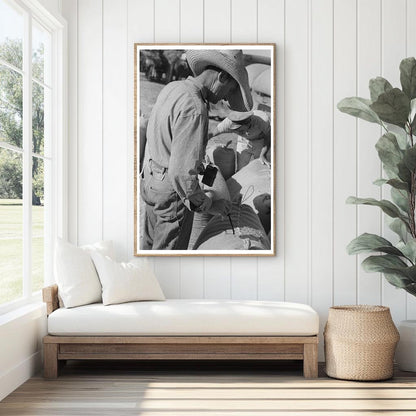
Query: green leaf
(359, 107)
(395, 183)
(401, 137)
(397, 280)
(390, 173)
(404, 173)
(410, 158)
(408, 249)
(400, 228)
(378, 86)
(412, 109)
(389, 151)
(410, 272)
(412, 115)
(389, 208)
(392, 107)
(396, 271)
(381, 263)
(400, 198)
(398, 184)
(411, 289)
(408, 77)
(366, 243)
(380, 182)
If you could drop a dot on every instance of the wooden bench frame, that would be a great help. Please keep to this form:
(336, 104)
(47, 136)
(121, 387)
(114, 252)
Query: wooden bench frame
(58, 349)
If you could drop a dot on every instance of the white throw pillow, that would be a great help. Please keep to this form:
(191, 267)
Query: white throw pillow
(75, 273)
(104, 247)
(126, 282)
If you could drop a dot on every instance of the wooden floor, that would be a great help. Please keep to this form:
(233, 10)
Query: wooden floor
(222, 389)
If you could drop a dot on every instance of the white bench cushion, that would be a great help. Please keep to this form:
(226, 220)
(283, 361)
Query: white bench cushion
(186, 317)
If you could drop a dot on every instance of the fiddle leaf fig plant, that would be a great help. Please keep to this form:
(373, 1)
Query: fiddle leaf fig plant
(394, 109)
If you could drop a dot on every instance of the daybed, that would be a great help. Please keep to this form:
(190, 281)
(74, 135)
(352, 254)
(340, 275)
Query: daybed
(181, 329)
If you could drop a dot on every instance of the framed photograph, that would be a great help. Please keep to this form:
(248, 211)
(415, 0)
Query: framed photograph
(205, 163)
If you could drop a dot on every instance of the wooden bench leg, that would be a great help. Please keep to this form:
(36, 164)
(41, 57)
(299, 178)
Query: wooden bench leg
(50, 360)
(310, 360)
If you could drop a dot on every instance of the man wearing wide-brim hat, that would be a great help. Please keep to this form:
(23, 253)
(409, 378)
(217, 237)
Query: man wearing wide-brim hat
(176, 138)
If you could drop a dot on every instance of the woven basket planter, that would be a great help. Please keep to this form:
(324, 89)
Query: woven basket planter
(360, 342)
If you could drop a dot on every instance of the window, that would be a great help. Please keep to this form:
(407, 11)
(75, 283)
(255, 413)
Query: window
(31, 142)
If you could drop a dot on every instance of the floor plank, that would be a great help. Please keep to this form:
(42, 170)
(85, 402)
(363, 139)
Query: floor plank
(226, 389)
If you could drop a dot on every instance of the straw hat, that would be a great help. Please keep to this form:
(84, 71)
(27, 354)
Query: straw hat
(230, 61)
(240, 116)
(238, 119)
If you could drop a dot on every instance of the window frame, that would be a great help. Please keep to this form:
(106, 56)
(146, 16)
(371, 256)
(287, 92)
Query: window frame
(58, 225)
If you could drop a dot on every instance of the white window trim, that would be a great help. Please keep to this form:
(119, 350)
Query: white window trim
(59, 143)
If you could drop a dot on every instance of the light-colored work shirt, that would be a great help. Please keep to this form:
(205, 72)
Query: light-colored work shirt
(177, 134)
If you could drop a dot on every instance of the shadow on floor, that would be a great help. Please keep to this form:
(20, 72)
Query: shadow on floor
(258, 367)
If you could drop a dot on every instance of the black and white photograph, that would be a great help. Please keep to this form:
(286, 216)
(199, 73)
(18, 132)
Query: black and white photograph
(205, 150)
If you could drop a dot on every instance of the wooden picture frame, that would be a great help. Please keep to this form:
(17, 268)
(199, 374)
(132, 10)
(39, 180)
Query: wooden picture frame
(250, 229)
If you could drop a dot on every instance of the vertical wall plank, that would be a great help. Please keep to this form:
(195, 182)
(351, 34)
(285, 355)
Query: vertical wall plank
(244, 278)
(411, 28)
(70, 12)
(244, 21)
(217, 21)
(369, 168)
(345, 151)
(137, 33)
(271, 29)
(167, 21)
(192, 31)
(90, 184)
(115, 52)
(321, 168)
(244, 29)
(394, 38)
(167, 29)
(296, 152)
(393, 51)
(217, 281)
(411, 51)
(217, 29)
(168, 271)
(192, 21)
(192, 278)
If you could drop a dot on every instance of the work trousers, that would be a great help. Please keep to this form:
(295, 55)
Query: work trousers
(168, 222)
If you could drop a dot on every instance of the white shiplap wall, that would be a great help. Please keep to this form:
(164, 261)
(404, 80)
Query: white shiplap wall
(326, 50)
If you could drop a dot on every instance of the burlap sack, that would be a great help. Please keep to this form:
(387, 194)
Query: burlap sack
(253, 185)
(218, 190)
(248, 232)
